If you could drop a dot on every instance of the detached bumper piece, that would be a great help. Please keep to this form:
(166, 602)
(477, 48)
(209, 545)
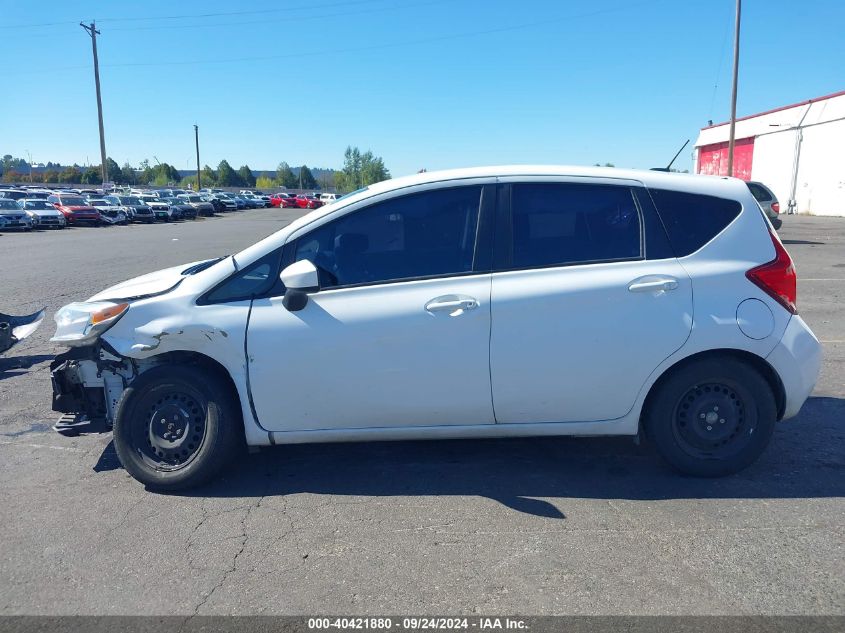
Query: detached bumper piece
(14, 329)
(83, 407)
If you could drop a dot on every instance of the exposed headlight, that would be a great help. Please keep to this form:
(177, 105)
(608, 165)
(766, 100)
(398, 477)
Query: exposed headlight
(79, 324)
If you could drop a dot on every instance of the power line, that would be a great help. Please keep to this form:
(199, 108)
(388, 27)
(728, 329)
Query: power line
(320, 53)
(323, 16)
(427, 40)
(199, 15)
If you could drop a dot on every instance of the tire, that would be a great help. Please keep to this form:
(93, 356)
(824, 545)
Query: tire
(712, 417)
(165, 458)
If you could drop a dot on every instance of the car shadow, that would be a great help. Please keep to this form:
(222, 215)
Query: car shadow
(12, 366)
(806, 242)
(806, 459)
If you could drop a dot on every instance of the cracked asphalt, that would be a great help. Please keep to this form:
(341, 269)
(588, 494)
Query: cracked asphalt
(534, 526)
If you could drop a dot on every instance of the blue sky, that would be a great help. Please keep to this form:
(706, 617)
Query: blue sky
(423, 83)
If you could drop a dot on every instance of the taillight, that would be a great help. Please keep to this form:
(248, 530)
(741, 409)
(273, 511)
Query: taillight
(776, 207)
(778, 278)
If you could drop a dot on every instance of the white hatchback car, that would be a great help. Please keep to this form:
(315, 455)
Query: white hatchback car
(489, 302)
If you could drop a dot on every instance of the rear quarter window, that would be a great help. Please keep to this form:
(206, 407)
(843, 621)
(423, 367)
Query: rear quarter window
(692, 219)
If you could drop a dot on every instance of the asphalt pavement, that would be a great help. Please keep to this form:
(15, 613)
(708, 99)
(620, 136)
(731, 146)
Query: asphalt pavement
(528, 526)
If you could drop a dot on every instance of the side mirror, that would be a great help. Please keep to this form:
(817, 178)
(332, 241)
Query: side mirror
(299, 278)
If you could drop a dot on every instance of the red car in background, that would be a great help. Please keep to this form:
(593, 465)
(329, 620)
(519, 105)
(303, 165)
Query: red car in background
(75, 209)
(308, 202)
(283, 200)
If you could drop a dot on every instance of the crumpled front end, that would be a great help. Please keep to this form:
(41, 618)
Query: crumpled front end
(87, 385)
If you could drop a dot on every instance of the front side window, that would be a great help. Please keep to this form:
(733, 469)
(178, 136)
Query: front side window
(555, 224)
(427, 234)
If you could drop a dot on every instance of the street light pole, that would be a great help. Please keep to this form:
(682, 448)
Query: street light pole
(731, 138)
(93, 32)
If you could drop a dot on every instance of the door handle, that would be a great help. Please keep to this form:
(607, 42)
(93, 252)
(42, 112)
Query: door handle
(451, 304)
(653, 283)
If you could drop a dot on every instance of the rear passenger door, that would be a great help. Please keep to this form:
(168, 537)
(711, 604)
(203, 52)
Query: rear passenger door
(587, 299)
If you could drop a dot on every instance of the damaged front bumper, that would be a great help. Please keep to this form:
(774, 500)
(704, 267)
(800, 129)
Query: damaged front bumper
(87, 385)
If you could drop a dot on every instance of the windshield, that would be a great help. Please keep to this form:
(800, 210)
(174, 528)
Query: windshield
(130, 200)
(6, 204)
(37, 204)
(72, 201)
(98, 203)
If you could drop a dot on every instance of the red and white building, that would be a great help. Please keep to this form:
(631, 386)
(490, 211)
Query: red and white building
(798, 151)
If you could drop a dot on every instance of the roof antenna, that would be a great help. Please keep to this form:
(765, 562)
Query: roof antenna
(669, 166)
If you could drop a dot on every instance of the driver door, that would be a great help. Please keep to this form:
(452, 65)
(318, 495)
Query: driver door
(398, 334)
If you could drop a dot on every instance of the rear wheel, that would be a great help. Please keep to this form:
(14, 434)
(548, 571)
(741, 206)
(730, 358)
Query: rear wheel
(176, 427)
(712, 417)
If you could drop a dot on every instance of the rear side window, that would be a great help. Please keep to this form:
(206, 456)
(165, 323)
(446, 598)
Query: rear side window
(692, 219)
(758, 192)
(555, 224)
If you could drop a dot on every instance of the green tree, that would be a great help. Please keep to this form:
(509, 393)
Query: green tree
(285, 176)
(127, 175)
(51, 175)
(91, 176)
(246, 177)
(265, 182)
(70, 175)
(360, 170)
(226, 176)
(306, 178)
(208, 176)
(113, 172)
(373, 169)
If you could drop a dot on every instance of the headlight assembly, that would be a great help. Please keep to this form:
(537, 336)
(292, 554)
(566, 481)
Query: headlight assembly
(79, 324)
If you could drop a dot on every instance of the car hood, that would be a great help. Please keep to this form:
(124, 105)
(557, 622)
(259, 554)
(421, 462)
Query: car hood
(154, 283)
(44, 213)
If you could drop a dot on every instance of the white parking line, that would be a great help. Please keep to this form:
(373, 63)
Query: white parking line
(819, 279)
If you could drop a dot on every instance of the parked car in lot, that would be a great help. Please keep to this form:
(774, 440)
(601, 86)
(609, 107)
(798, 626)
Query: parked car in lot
(13, 194)
(75, 209)
(283, 199)
(109, 213)
(198, 204)
(161, 209)
(13, 216)
(222, 203)
(141, 212)
(566, 293)
(328, 198)
(768, 202)
(180, 209)
(43, 214)
(308, 202)
(240, 203)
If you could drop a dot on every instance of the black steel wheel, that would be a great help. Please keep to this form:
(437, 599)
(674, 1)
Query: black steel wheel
(177, 426)
(711, 417)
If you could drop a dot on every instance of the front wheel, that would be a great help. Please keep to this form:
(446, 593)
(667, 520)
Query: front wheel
(712, 417)
(176, 427)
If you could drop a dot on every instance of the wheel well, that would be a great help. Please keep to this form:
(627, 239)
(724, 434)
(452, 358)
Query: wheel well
(758, 363)
(205, 362)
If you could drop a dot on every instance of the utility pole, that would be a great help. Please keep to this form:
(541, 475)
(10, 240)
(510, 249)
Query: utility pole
(93, 32)
(30, 166)
(731, 138)
(197, 140)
